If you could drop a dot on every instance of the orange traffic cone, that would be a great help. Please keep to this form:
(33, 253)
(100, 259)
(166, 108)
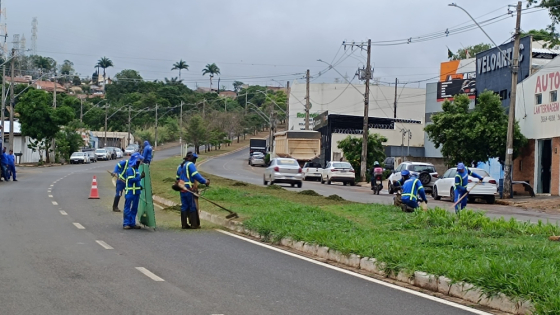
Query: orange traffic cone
(94, 193)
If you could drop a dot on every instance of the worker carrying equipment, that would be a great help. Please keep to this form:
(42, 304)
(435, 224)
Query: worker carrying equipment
(461, 182)
(187, 175)
(119, 172)
(147, 153)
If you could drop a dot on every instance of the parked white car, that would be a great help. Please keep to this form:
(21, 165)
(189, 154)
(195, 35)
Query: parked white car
(342, 172)
(120, 153)
(103, 154)
(426, 173)
(283, 170)
(312, 171)
(487, 190)
(79, 157)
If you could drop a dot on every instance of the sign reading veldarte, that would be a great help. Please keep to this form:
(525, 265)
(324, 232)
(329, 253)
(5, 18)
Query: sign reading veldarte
(493, 68)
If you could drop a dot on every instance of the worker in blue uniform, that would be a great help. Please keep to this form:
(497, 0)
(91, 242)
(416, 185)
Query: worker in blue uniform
(119, 172)
(133, 188)
(461, 182)
(412, 192)
(4, 164)
(147, 153)
(12, 165)
(188, 174)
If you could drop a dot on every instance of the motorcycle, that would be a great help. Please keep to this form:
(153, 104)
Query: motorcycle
(377, 183)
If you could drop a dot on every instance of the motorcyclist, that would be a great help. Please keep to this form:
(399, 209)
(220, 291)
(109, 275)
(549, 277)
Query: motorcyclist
(376, 174)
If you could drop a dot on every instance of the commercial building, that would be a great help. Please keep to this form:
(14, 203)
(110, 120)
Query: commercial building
(538, 112)
(343, 106)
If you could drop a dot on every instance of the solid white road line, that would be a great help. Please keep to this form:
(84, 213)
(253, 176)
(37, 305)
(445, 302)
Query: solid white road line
(50, 196)
(55, 203)
(63, 212)
(357, 275)
(79, 226)
(104, 245)
(149, 274)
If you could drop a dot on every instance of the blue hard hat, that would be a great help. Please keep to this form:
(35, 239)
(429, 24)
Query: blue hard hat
(405, 173)
(460, 166)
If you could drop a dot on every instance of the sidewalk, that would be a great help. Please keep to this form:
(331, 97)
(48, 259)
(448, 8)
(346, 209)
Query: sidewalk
(549, 204)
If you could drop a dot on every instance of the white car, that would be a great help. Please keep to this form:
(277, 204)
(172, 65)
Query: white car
(338, 172)
(79, 157)
(257, 158)
(103, 154)
(426, 173)
(283, 170)
(131, 149)
(120, 153)
(312, 171)
(487, 190)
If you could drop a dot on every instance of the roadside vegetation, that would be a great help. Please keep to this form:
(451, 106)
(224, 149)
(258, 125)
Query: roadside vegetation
(506, 256)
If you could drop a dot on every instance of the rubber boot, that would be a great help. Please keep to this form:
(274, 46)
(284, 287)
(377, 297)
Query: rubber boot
(194, 220)
(184, 217)
(116, 204)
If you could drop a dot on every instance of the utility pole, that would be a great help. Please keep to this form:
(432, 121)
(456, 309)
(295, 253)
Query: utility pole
(155, 142)
(181, 129)
(12, 99)
(288, 105)
(54, 105)
(511, 122)
(363, 165)
(81, 109)
(307, 100)
(403, 131)
(245, 102)
(408, 144)
(3, 100)
(128, 143)
(106, 109)
(396, 82)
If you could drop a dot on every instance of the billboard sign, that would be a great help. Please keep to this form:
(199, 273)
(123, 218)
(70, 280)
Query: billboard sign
(451, 88)
(493, 68)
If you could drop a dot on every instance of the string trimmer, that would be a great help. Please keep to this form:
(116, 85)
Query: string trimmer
(180, 186)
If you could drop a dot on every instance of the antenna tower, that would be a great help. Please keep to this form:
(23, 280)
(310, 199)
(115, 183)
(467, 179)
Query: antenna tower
(3, 32)
(22, 45)
(34, 24)
(15, 43)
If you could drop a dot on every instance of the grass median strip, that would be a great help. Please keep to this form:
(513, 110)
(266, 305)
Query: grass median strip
(511, 257)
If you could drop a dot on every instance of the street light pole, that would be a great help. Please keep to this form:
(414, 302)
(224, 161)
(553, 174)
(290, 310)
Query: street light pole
(106, 109)
(181, 129)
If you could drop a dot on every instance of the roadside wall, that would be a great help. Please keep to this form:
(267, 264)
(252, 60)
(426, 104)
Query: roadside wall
(524, 168)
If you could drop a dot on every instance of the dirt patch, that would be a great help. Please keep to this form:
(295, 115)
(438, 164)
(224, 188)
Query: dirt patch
(239, 184)
(275, 187)
(168, 180)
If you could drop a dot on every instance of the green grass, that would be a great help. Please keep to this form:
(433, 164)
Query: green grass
(496, 255)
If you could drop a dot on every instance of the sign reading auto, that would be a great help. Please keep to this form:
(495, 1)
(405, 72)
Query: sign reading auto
(545, 83)
(493, 68)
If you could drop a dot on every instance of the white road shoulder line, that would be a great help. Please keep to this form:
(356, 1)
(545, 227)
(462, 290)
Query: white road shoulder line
(50, 196)
(104, 245)
(149, 274)
(357, 275)
(63, 212)
(79, 226)
(55, 203)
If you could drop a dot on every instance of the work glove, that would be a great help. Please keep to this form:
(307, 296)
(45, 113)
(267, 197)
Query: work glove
(142, 175)
(208, 182)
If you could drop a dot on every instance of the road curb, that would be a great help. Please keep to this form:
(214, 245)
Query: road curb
(462, 290)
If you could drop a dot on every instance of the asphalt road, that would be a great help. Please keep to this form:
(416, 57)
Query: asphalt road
(62, 253)
(234, 166)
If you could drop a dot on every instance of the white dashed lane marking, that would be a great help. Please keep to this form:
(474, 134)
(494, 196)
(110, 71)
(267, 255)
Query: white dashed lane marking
(149, 274)
(79, 226)
(63, 212)
(104, 245)
(50, 196)
(55, 203)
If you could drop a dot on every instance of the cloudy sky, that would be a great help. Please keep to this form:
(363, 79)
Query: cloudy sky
(260, 41)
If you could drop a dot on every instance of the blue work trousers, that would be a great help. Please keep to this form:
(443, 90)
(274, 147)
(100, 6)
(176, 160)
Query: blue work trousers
(4, 171)
(461, 205)
(12, 169)
(130, 209)
(187, 202)
(120, 187)
(411, 203)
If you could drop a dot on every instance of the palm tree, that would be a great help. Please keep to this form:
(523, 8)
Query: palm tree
(211, 69)
(104, 63)
(180, 66)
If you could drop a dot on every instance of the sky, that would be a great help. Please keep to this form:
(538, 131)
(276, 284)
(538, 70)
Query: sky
(261, 41)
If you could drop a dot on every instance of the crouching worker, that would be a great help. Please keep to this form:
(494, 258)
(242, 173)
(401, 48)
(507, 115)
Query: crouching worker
(412, 190)
(132, 193)
(186, 177)
(397, 187)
